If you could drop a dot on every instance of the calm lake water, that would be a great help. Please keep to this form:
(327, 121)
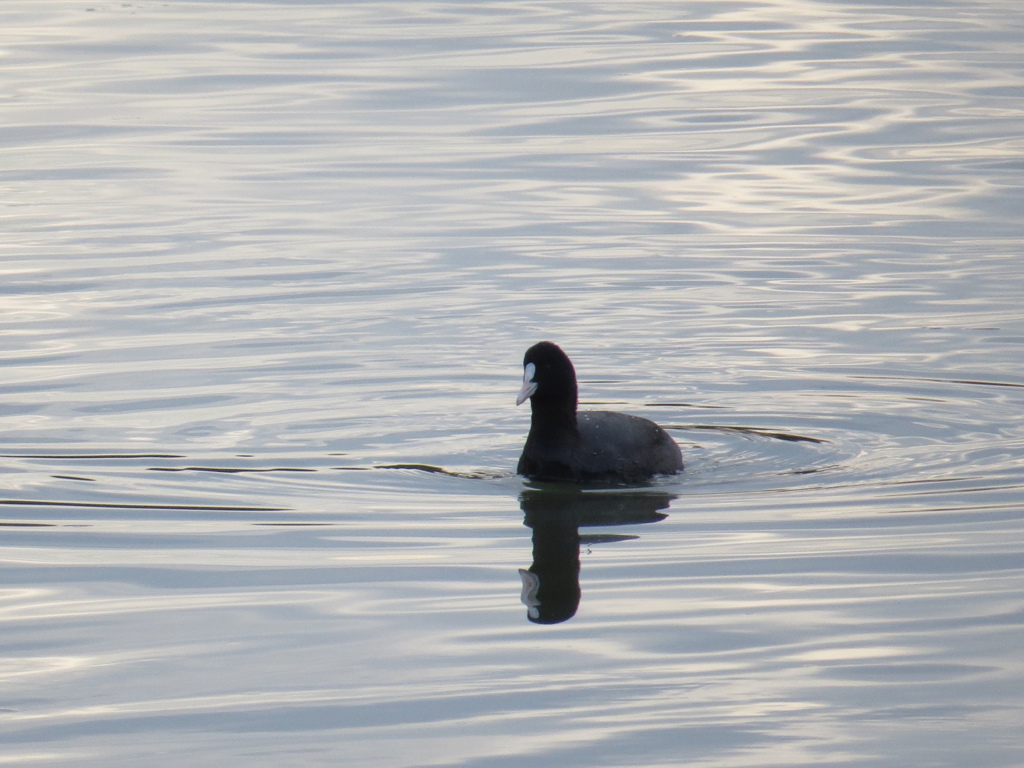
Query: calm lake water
(267, 273)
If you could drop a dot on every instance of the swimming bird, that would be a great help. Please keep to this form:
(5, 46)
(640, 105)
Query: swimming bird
(584, 446)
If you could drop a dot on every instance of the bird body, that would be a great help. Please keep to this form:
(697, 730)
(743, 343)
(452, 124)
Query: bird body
(585, 446)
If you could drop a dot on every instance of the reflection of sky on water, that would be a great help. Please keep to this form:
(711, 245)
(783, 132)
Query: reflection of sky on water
(268, 273)
(774, 117)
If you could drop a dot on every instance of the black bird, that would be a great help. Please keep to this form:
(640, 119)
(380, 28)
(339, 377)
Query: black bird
(589, 446)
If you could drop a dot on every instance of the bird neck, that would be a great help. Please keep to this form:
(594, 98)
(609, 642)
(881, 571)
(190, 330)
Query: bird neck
(549, 418)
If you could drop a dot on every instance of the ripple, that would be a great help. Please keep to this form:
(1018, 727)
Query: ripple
(266, 283)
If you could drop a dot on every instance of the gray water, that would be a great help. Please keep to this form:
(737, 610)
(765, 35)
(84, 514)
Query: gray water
(267, 274)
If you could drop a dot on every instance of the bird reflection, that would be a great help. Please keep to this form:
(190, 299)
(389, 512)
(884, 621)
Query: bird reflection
(551, 586)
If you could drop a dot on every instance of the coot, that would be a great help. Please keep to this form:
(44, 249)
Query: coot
(589, 446)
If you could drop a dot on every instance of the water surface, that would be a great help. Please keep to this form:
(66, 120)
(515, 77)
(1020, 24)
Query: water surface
(268, 271)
